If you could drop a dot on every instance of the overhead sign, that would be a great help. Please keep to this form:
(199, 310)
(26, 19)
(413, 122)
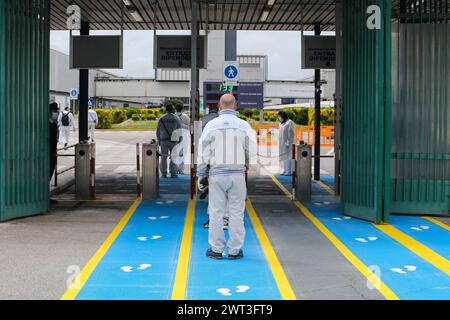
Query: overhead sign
(96, 52)
(319, 52)
(74, 94)
(248, 94)
(175, 52)
(231, 72)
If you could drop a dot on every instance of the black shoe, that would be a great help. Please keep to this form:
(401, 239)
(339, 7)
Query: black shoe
(164, 176)
(206, 225)
(213, 255)
(238, 256)
(173, 176)
(225, 223)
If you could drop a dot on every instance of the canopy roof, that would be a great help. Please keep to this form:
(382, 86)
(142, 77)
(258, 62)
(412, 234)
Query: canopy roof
(221, 14)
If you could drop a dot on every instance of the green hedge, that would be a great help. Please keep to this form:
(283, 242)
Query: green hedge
(119, 115)
(105, 119)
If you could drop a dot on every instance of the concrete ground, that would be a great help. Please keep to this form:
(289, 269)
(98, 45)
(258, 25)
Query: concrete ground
(314, 267)
(37, 252)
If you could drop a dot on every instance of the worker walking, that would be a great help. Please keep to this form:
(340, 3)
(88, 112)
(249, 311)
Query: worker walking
(167, 125)
(212, 114)
(66, 125)
(285, 141)
(92, 123)
(223, 158)
(185, 123)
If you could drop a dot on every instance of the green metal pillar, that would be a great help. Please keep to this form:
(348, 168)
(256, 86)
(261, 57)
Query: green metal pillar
(24, 111)
(366, 75)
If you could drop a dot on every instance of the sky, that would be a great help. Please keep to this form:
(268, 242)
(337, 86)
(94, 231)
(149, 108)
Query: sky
(281, 47)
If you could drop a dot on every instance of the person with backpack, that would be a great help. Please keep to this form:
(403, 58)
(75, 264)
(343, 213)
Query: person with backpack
(164, 133)
(65, 121)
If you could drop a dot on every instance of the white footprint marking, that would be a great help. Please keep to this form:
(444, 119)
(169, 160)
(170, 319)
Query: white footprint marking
(144, 266)
(160, 202)
(317, 203)
(408, 268)
(327, 203)
(411, 268)
(164, 217)
(142, 238)
(170, 202)
(156, 237)
(224, 292)
(152, 218)
(425, 227)
(361, 240)
(397, 270)
(242, 288)
(127, 269)
(347, 218)
(372, 238)
(337, 219)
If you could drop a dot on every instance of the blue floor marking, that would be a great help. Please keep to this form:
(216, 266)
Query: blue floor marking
(206, 275)
(426, 282)
(433, 236)
(109, 282)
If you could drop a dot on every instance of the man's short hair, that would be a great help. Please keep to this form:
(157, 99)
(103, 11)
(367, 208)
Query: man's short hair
(54, 106)
(180, 108)
(170, 108)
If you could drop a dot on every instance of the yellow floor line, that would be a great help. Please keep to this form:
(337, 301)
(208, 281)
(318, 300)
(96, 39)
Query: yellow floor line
(357, 263)
(277, 270)
(415, 246)
(439, 223)
(181, 275)
(82, 278)
(418, 248)
(325, 187)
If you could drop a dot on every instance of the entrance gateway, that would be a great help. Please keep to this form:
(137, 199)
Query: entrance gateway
(392, 130)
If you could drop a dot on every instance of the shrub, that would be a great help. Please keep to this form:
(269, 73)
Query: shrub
(104, 119)
(130, 112)
(135, 117)
(118, 116)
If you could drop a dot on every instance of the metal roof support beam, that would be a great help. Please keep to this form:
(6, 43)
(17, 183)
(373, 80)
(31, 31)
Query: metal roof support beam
(194, 89)
(338, 99)
(83, 94)
(317, 117)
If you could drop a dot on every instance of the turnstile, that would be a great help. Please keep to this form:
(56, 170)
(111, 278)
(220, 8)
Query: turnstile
(85, 171)
(303, 171)
(150, 171)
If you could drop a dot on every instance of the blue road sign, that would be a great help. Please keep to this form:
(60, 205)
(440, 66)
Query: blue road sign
(231, 72)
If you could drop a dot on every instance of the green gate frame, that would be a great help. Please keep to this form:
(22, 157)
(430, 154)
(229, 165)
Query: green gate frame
(421, 109)
(366, 116)
(24, 111)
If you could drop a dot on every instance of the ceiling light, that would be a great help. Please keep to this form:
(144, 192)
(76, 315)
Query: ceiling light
(264, 16)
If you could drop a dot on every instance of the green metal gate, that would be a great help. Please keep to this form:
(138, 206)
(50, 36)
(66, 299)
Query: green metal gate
(421, 108)
(24, 112)
(366, 111)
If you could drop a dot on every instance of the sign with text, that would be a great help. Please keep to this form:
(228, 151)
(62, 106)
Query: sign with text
(319, 52)
(248, 94)
(175, 52)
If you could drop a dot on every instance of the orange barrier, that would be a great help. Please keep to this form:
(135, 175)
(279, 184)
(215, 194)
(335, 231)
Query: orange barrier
(267, 135)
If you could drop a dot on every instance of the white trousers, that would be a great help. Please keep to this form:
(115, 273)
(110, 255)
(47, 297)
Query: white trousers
(286, 166)
(227, 196)
(64, 134)
(91, 128)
